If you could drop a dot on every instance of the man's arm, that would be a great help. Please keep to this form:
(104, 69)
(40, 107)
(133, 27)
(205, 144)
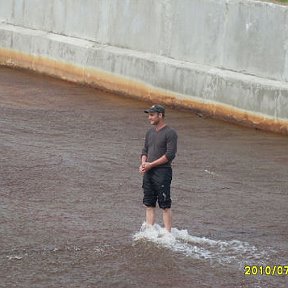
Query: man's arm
(171, 145)
(143, 159)
(144, 156)
(160, 161)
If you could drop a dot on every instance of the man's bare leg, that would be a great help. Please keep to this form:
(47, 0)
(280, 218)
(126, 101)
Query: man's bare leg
(167, 219)
(150, 216)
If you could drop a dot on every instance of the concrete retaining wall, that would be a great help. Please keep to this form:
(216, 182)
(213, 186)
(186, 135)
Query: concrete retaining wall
(226, 58)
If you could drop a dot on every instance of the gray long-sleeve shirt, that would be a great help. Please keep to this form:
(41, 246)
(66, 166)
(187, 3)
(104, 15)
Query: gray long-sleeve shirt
(159, 143)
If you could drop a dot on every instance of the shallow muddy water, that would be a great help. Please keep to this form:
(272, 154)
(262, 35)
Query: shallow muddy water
(71, 197)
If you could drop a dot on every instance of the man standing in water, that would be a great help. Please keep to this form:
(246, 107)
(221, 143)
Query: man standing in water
(159, 150)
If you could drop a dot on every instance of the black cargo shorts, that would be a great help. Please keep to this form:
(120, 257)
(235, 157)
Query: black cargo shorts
(156, 187)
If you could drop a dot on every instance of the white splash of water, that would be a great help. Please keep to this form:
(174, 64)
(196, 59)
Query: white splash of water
(223, 252)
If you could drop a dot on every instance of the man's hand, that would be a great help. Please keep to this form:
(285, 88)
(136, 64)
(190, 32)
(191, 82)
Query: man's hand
(144, 167)
(141, 169)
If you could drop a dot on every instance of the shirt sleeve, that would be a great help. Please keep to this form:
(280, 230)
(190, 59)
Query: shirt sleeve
(145, 148)
(172, 138)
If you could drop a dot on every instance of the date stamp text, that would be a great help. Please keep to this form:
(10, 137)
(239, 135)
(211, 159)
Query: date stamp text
(268, 270)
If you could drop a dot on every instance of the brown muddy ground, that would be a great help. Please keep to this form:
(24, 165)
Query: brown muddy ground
(71, 193)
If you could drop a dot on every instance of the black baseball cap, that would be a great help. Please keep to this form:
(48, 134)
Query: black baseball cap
(156, 108)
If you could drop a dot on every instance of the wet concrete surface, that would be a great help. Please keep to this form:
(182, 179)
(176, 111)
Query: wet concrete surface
(71, 197)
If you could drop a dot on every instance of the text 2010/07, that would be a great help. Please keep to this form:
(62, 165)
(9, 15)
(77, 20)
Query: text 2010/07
(269, 270)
